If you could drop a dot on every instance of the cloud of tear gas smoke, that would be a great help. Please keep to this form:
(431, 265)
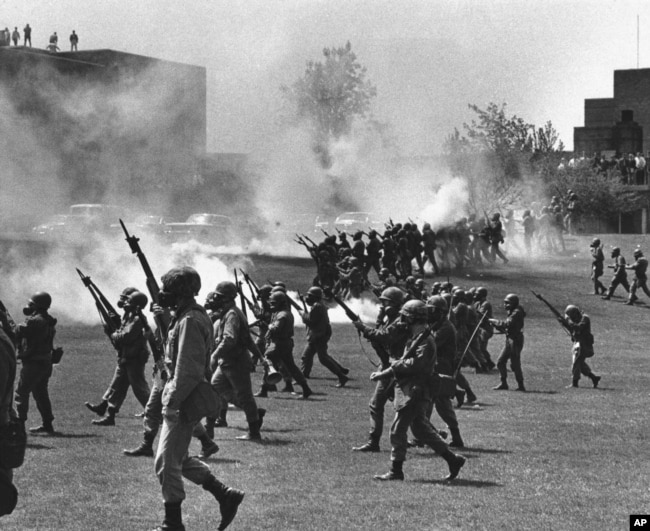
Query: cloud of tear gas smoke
(111, 266)
(365, 175)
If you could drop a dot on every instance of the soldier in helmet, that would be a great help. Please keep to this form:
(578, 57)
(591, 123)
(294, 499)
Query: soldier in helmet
(513, 328)
(484, 308)
(529, 224)
(35, 339)
(388, 339)
(620, 276)
(230, 362)
(319, 332)
(640, 267)
(373, 253)
(187, 356)
(496, 237)
(579, 324)
(597, 269)
(130, 341)
(413, 373)
(429, 247)
(279, 340)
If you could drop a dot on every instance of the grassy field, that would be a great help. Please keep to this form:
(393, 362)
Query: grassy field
(552, 458)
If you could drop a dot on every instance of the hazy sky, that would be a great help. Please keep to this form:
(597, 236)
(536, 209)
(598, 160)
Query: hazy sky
(428, 59)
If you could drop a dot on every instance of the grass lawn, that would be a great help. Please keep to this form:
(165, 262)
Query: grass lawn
(551, 458)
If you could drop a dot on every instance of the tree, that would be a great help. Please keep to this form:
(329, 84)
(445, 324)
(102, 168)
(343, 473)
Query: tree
(331, 95)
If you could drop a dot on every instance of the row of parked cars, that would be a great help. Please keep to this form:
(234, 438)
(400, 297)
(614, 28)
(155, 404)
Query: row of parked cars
(217, 229)
(82, 219)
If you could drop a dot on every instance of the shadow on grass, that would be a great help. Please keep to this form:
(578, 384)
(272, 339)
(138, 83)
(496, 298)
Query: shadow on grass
(38, 446)
(479, 450)
(60, 435)
(274, 442)
(220, 460)
(539, 392)
(458, 482)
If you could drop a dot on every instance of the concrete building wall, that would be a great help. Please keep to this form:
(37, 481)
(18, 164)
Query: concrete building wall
(632, 92)
(599, 112)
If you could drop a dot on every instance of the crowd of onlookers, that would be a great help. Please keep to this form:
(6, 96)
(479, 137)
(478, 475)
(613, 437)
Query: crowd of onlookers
(8, 37)
(632, 168)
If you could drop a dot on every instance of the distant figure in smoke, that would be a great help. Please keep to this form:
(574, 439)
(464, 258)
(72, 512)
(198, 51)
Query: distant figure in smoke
(74, 40)
(27, 34)
(15, 36)
(54, 38)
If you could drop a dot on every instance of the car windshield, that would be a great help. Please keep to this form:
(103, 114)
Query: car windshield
(353, 216)
(208, 219)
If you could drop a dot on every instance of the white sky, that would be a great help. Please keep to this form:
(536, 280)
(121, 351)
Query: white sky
(428, 59)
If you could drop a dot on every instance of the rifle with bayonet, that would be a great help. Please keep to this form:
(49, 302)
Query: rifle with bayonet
(242, 297)
(161, 319)
(563, 322)
(107, 313)
(255, 291)
(355, 319)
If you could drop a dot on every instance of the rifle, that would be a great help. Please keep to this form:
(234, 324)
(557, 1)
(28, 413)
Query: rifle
(325, 232)
(255, 291)
(294, 304)
(354, 318)
(156, 350)
(557, 314)
(162, 320)
(302, 299)
(312, 242)
(242, 298)
(108, 315)
(460, 362)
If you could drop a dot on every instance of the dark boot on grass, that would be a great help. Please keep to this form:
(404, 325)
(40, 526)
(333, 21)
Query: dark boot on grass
(254, 428)
(228, 498)
(208, 446)
(173, 518)
(595, 379)
(288, 387)
(306, 391)
(456, 439)
(371, 446)
(146, 447)
(98, 409)
(263, 392)
(221, 422)
(503, 386)
(455, 462)
(460, 398)
(46, 427)
(108, 419)
(574, 383)
(394, 474)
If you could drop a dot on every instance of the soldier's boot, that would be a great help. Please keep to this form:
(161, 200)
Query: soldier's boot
(46, 427)
(221, 422)
(471, 397)
(456, 439)
(98, 409)
(173, 518)
(208, 446)
(503, 386)
(460, 397)
(306, 391)
(108, 419)
(254, 428)
(455, 462)
(263, 392)
(146, 446)
(395, 472)
(228, 498)
(609, 294)
(209, 426)
(595, 379)
(371, 446)
(288, 387)
(574, 383)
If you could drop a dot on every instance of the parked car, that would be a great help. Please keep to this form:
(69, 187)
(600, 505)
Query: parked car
(208, 228)
(80, 220)
(354, 221)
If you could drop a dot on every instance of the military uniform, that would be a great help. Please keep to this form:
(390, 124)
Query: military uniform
(513, 327)
(35, 337)
(640, 267)
(619, 277)
(583, 345)
(8, 492)
(597, 269)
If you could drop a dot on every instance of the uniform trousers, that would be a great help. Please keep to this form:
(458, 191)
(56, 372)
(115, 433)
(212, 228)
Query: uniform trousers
(34, 379)
(130, 373)
(383, 392)
(233, 384)
(319, 348)
(511, 351)
(413, 415)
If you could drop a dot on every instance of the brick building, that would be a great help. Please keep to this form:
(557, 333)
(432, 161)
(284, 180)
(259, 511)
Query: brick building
(106, 121)
(621, 124)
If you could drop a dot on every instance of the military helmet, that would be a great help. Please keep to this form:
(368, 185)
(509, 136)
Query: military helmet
(384, 271)
(573, 312)
(41, 300)
(127, 291)
(279, 283)
(184, 281)
(526, 213)
(595, 242)
(264, 290)
(372, 234)
(278, 289)
(638, 253)
(481, 292)
(426, 226)
(458, 294)
(419, 283)
(496, 216)
(616, 251)
(226, 290)
(511, 299)
(415, 309)
(357, 235)
(558, 208)
(138, 299)
(393, 295)
(315, 292)
(410, 279)
(277, 299)
(438, 302)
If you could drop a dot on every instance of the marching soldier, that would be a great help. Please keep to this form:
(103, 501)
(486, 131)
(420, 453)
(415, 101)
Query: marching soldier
(620, 276)
(35, 339)
(513, 327)
(187, 350)
(597, 260)
(8, 491)
(230, 361)
(388, 339)
(319, 332)
(130, 339)
(579, 325)
(640, 266)
(413, 372)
